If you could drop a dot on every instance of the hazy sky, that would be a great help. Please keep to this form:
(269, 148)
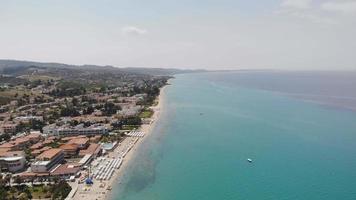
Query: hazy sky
(212, 34)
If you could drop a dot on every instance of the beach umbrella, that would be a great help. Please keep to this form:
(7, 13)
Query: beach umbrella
(89, 181)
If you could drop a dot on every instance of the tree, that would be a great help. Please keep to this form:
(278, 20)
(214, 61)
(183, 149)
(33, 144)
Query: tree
(75, 101)
(117, 124)
(28, 154)
(23, 196)
(73, 122)
(60, 190)
(5, 137)
(3, 193)
(18, 180)
(89, 110)
(21, 127)
(45, 189)
(110, 108)
(87, 123)
(132, 121)
(56, 180)
(28, 193)
(69, 111)
(102, 89)
(7, 179)
(36, 124)
(12, 192)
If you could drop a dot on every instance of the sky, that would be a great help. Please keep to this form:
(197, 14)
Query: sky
(190, 34)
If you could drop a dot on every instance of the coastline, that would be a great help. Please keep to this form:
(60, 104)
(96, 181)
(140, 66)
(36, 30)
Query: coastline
(96, 191)
(147, 129)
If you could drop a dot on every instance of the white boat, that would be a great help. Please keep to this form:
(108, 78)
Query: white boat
(249, 160)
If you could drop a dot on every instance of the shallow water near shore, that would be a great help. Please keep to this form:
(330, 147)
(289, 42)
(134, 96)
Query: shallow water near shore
(207, 130)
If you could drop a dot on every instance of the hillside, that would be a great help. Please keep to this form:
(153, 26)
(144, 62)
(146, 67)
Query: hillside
(16, 67)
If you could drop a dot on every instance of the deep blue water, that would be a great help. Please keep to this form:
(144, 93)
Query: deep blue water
(212, 123)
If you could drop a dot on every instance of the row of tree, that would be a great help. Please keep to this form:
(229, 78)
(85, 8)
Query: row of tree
(58, 190)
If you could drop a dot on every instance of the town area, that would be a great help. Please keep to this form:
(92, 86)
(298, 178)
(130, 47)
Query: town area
(58, 134)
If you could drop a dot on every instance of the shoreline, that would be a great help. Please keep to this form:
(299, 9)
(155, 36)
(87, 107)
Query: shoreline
(96, 191)
(147, 129)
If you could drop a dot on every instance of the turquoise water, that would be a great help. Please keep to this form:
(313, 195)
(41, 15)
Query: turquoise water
(208, 130)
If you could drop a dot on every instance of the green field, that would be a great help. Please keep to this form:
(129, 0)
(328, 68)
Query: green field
(146, 114)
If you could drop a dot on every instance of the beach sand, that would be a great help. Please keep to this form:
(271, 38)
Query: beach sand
(102, 189)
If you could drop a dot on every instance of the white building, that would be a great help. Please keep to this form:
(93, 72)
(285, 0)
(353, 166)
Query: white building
(47, 160)
(79, 130)
(12, 161)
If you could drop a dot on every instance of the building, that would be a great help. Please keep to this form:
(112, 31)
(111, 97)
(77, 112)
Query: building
(68, 138)
(82, 142)
(65, 171)
(93, 149)
(95, 139)
(3, 116)
(47, 160)
(7, 147)
(129, 110)
(78, 130)
(38, 145)
(37, 152)
(70, 150)
(22, 142)
(12, 161)
(9, 128)
(34, 136)
(86, 160)
(27, 119)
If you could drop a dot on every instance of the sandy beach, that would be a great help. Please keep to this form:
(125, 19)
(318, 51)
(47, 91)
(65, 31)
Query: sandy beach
(102, 189)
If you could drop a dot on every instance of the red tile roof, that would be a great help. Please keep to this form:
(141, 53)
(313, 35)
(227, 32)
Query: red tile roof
(36, 146)
(7, 145)
(69, 147)
(79, 141)
(12, 153)
(92, 149)
(49, 154)
(65, 169)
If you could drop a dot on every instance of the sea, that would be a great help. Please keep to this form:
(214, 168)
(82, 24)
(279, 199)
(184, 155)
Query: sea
(298, 128)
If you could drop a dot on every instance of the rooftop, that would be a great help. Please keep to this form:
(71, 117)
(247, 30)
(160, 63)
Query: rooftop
(65, 169)
(85, 159)
(72, 137)
(79, 141)
(36, 146)
(68, 147)
(12, 154)
(49, 154)
(34, 135)
(92, 149)
(32, 174)
(43, 163)
(6, 145)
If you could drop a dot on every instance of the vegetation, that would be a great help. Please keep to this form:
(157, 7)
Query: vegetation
(34, 124)
(129, 127)
(69, 111)
(68, 88)
(54, 91)
(5, 137)
(147, 113)
(110, 138)
(110, 108)
(88, 110)
(59, 190)
(132, 121)
(4, 100)
(28, 154)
